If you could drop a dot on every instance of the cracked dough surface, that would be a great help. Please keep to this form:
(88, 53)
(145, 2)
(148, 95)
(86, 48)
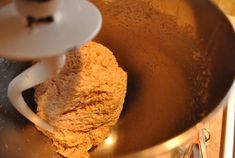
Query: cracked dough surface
(83, 101)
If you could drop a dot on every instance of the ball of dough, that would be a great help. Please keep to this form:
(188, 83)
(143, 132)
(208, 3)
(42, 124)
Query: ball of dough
(84, 100)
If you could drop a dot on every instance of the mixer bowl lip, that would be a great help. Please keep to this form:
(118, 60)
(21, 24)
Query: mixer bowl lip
(184, 137)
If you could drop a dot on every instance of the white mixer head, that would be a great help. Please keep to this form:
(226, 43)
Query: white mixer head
(74, 23)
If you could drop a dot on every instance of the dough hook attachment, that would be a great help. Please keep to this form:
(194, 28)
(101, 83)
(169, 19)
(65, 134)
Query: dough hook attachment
(31, 77)
(43, 30)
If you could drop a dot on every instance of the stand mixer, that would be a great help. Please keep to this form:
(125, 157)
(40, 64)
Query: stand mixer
(176, 53)
(43, 30)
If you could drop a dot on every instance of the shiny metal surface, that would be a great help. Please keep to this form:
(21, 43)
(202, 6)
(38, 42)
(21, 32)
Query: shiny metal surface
(179, 56)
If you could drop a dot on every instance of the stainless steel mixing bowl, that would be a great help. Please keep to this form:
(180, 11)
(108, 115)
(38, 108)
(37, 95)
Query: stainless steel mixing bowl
(180, 60)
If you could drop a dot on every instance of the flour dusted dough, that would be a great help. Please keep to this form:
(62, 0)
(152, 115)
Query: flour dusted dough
(83, 101)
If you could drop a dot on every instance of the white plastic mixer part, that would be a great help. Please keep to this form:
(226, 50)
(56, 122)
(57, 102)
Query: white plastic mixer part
(75, 23)
(37, 8)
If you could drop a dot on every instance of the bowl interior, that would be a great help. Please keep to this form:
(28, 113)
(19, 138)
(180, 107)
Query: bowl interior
(180, 64)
